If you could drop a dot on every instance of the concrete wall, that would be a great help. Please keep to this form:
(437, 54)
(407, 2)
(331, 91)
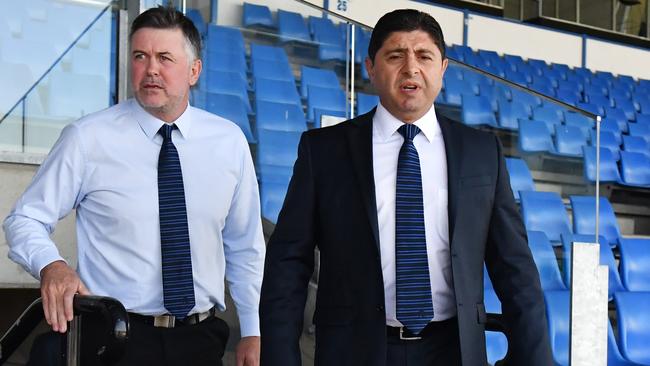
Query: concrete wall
(14, 178)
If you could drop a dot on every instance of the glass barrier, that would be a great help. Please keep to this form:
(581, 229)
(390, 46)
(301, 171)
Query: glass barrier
(59, 60)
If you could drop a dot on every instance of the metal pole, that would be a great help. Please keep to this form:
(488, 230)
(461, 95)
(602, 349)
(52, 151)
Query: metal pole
(557, 9)
(577, 11)
(352, 64)
(122, 73)
(614, 15)
(598, 118)
(72, 352)
(347, 74)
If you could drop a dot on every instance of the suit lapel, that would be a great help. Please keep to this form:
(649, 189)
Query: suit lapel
(453, 149)
(360, 143)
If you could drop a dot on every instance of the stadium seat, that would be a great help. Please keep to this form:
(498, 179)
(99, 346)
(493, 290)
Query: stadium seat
(317, 77)
(329, 99)
(276, 153)
(636, 144)
(626, 106)
(585, 124)
(584, 211)
(526, 98)
(272, 197)
(592, 108)
(496, 342)
(454, 91)
(330, 45)
(534, 137)
(510, 113)
(640, 129)
(257, 16)
(229, 62)
(606, 259)
(608, 168)
(611, 125)
(634, 325)
(477, 111)
(643, 119)
(279, 116)
(635, 169)
(544, 211)
(366, 102)
(224, 82)
(608, 140)
(230, 107)
(550, 116)
(622, 93)
(614, 357)
(197, 19)
(557, 315)
(545, 260)
(277, 91)
(268, 53)
(618, 116)
(568, 96)
(569, 141)
(635, 263)
(292, 27)
(274, 70)
(225, 38)
(520, 177)
(487, 283)
(642, 105)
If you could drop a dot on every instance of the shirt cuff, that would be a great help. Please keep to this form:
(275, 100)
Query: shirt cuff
(41, 260)
(249, 324)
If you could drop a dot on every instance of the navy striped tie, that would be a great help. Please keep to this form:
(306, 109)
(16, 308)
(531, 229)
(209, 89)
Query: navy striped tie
(414, 303)
(178, 284)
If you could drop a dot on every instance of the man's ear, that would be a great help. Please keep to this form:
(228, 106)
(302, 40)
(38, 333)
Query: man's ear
(195, 71)
(370, 68)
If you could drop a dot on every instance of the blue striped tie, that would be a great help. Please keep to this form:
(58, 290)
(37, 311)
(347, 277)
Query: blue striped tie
(178, 284)
(414, 303)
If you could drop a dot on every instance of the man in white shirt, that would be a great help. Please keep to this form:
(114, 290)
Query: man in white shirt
(167, 209)
(405, 206)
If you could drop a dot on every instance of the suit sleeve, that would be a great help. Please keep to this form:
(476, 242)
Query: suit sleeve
(288, 267)
(515, 278)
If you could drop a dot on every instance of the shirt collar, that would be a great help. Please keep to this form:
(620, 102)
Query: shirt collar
(151, 124)
(388, 124)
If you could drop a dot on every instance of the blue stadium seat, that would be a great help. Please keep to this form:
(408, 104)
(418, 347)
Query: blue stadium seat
(520, 177)
(534, 137)
(224, 82)
(635, 263)
(329, 99)
(557, 315)
(634, 325)
(618, 115)
(642, 104)
(599, 100)
(366, 102)
(544, 211)
(197, 19)
(627, 106)
(277, 91)
(584, 220)
(609, 141)
(527, 98)
(614, 357)
(571, 83)
(514, 60)
(230, 107)
(317, 77)
(568, 96)
(635, 169)
(517, 77)
(620, 93)
(330, 44)
(230, 62)
(225, 38)
(636, 144)
(257, 16)
(268, 53)
(292, 27)
(545, 260)
(569, 141)
(272, 197)
(454, 91)
(606, 259)
(550, 116)
(608, 168)
(496, 342)
(510, 113)
(640, 129)
(477, 111)
(611, 125)
(279, 116)
(487, 283)
(643, 119)
(585, 124)
(592, 108)
(273, 70)
(276, 153)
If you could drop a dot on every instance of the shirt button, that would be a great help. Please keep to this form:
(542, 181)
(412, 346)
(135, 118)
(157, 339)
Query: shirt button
(380, 308)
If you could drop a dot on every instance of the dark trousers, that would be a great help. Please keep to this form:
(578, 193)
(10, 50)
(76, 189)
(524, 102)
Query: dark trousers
(197, 345)
(441, 347)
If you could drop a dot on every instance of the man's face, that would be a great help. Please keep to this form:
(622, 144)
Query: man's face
(407, 74)
(162, 71)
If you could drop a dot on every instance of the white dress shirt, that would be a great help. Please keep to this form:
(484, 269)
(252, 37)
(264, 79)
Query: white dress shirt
(105, 166)
(386, 143)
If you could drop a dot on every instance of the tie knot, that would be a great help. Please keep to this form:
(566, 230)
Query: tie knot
(409, 131)
(166, 131)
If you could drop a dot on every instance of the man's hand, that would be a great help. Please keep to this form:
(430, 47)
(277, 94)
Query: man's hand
(59, 284)
(248, 351)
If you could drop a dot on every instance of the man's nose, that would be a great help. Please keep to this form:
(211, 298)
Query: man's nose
(152, 67)
(411, 66)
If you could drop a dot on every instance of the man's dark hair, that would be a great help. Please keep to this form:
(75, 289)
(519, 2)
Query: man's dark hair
(405, 20)
(163, 17)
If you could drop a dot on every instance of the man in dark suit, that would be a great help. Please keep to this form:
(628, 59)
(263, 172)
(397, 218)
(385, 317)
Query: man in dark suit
(405, 207)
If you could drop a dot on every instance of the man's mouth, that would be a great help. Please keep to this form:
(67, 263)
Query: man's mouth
(409, 87)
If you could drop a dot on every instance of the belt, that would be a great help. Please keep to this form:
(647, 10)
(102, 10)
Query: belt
(433, 327)
(170, 321)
